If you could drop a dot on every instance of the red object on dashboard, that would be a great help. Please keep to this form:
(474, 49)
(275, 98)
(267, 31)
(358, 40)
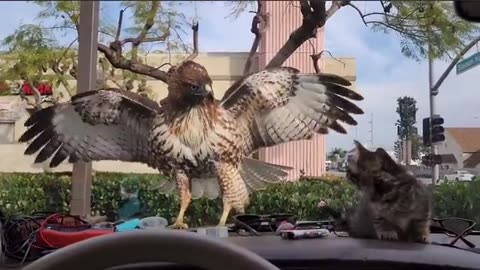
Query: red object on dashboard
(44, 88)
(58, 231)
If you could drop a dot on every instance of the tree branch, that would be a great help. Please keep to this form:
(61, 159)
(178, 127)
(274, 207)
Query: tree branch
(317, 56)
(146, 39)
(114, 52)
(399, 30)
(117, 60)
(36, 106)
(194, 54)
(336, 5)
(259, 25)
(66, 51)
(36, 94)
(359, 13)
(314, 16)
(119, 26)
(120, 21)
(394, 28)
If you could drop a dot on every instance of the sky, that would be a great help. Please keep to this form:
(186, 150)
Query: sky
(383, 73)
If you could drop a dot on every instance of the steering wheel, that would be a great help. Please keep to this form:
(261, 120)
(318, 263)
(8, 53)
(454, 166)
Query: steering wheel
(123, 248)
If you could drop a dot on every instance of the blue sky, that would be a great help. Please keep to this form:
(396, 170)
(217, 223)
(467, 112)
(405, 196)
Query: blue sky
(383, 73)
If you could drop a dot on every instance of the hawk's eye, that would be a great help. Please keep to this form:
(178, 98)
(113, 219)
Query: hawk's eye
(193, 87)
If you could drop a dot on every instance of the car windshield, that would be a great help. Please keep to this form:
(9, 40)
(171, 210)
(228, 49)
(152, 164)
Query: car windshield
(177, 102)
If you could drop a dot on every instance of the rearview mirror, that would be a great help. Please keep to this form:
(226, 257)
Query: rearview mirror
(468, 10)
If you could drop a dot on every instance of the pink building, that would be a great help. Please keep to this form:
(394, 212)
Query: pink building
(306, 155)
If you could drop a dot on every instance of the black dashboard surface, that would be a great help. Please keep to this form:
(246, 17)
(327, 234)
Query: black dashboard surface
(334, 252)
(345, 249)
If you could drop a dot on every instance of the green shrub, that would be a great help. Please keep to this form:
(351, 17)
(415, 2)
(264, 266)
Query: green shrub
(27, 193)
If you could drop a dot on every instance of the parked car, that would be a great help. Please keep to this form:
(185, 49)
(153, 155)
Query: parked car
(459, 176)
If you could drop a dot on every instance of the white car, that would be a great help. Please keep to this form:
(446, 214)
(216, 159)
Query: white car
(460, 176)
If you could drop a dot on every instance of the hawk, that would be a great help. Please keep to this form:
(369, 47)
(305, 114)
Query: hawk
(193, 137)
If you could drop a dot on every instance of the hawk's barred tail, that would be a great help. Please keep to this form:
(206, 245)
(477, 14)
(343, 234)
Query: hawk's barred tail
(259, 175)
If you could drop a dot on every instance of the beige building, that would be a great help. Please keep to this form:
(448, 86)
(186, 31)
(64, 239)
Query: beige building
(462, 146)
(224, 68)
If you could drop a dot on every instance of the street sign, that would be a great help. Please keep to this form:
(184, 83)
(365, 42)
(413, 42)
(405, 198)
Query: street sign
(468, 63)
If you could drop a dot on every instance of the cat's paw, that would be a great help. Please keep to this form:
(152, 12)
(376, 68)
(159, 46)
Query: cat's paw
(322, 204)
(387, 235)
(423, 239)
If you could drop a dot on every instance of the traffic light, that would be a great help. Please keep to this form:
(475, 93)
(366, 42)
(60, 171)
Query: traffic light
(437, 129)
(433, 131)
(426, 160)
(429, 160)
(426, 132)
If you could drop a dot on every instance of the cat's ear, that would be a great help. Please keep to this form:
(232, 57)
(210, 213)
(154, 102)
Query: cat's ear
(388, 163)
(359, 146)
(384, 155)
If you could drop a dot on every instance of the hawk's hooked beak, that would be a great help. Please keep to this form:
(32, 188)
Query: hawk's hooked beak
(203, 91)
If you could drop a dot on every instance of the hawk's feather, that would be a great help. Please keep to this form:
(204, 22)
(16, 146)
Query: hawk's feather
(108, 124)
(282, 105)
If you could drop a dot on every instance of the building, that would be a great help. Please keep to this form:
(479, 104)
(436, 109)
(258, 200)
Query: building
(224, 68)
(308, 156)
(462, 145)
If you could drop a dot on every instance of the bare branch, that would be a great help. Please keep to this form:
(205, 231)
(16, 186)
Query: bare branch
(411, 33)
(359, 13)
(66, 50)
(36, 94)
(314, 16)
(148, 25)
(115, 57)
(114, 51)
(336, 5)
(363, 16)
(164, 64)
(194, 53)
(146, 39)
(259, 25)
(119, 26)
(34, 105)
(120, 22)
(317, 56)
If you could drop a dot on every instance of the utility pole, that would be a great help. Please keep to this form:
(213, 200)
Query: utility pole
(87, 77)
(433, 111)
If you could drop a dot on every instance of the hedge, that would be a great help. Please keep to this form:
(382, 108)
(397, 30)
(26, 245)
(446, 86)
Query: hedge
(27, 193)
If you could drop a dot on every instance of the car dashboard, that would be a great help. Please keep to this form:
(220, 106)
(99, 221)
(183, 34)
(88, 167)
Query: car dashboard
(334, 252)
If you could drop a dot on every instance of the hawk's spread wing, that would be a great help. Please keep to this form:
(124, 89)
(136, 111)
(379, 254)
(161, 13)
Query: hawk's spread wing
(108, 124)
(281, 105)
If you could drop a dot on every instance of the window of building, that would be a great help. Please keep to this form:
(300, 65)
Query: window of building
(7, 132)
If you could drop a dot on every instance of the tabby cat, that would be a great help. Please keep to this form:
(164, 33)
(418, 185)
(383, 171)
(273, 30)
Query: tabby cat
(393, 204)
